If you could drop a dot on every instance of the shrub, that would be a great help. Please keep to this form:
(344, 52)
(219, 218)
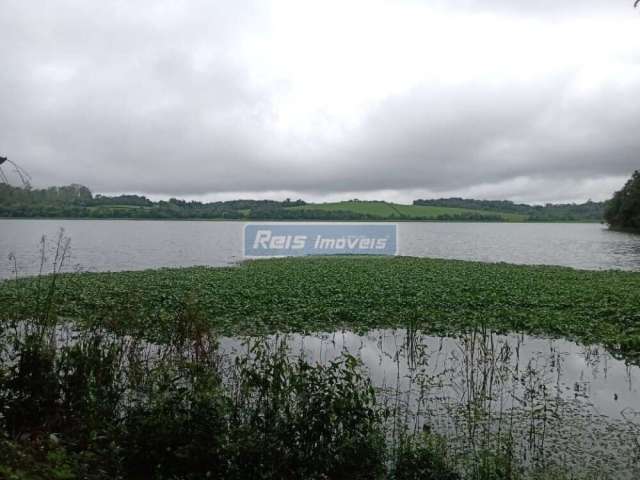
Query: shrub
(423, 458)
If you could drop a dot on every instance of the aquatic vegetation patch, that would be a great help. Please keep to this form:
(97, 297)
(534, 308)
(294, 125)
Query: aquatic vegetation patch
(360, 293)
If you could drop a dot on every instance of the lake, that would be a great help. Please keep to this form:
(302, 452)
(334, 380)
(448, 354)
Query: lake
(103, 245)
(549, 401)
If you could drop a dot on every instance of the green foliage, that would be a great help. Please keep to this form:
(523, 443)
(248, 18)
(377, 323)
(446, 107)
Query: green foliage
(179, 430)
(45, 460)
(329, 293)
(585, 212)
(68, 195)
(392, 211)
(91, 383)
(29, 394)
(99, 406)
(623, 210)
(286, 406)
(423, 458)
(495, 466)
(76, 201)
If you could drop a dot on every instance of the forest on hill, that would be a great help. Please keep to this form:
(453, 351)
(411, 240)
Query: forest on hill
(588, 211)
(77, 201)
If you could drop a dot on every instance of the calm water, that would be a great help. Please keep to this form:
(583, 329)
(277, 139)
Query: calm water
(100, 245)
(549, 401)
(558, 402)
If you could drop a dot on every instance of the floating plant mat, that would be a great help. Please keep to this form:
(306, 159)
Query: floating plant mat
(544, 401)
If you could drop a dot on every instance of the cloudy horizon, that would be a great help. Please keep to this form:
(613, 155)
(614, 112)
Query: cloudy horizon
(393, 100)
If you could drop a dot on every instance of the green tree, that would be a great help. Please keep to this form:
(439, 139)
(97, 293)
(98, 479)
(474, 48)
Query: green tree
(623, 210)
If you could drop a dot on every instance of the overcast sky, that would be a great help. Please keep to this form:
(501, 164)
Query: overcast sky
(531, 101)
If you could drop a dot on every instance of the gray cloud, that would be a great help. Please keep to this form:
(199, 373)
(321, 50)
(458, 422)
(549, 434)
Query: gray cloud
(170, 99)
(548, 9)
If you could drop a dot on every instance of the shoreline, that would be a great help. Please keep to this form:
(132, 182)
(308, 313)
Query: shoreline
(312, 220)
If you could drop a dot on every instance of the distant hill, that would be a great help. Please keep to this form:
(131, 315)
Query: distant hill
(584, 212)
(396, 211)
(77, 201)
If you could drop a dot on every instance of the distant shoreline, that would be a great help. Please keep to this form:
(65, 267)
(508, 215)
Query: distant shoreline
(624, 230)
(77, 202)
(247, 220)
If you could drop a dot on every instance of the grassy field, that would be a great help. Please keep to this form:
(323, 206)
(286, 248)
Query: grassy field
(324, 294)
(396, 210)
(116, 207)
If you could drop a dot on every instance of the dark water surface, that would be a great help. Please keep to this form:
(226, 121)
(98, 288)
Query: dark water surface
(101, 245)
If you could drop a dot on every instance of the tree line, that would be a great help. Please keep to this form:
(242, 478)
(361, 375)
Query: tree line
(77, 201)
(588, 211)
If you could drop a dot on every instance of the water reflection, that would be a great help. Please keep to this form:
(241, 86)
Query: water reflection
(545, 401)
